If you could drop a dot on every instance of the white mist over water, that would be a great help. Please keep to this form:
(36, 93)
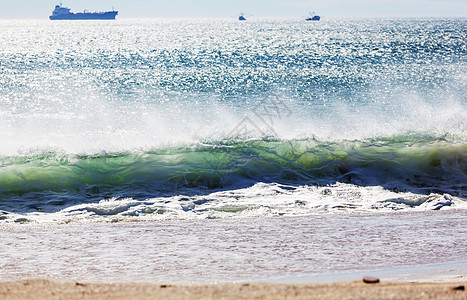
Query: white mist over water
(93, 124)
(97, 125)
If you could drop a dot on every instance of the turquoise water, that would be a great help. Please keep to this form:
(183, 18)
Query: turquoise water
(151, 119)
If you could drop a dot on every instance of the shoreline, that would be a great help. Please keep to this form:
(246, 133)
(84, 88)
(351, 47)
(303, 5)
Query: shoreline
(454, 271)
(434, 281)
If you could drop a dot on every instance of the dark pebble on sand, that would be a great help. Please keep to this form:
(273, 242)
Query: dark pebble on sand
(370, 279)
(459, 288)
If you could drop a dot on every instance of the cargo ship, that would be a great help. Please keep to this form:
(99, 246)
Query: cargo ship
(63, 13)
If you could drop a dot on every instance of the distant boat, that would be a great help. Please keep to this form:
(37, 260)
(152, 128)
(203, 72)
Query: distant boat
(313, 17)
(63, 13)
(241, 18)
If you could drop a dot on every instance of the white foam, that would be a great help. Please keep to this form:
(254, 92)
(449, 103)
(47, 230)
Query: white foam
(260, 200)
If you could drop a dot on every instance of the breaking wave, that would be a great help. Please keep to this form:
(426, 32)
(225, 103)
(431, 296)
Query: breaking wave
(418, 164)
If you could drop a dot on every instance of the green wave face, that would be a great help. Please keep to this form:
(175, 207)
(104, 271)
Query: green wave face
(397, 163)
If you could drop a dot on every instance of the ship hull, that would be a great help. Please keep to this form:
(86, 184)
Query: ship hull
(110, 15)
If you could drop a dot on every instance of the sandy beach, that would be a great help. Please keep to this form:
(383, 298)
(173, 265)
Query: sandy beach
(44, 289)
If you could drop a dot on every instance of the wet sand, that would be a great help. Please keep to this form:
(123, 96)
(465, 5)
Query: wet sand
(44, 289)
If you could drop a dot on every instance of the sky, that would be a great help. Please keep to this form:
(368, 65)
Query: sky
(41, 9)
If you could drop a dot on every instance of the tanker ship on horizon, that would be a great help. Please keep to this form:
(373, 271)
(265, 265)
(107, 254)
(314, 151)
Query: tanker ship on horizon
(63, 13)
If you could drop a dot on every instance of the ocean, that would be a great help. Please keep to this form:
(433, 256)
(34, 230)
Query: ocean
(197, 120)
